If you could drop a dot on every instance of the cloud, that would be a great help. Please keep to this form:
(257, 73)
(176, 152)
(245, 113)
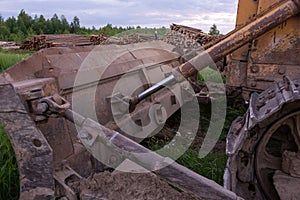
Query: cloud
(146, 13)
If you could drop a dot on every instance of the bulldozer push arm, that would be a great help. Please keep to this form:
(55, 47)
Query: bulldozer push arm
(97, 137)
(47, 149)
(230, 43)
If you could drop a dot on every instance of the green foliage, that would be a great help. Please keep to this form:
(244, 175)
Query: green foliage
(4, 32)
(75, 25)
(9, 173)
(17, 29)
(110, 30)
(210, 75)
(214, 30)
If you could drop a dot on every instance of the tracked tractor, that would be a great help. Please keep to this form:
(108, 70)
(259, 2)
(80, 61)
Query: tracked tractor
(72, 113)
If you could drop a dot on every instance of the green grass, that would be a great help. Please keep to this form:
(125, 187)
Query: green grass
(9, 176)
(9, 58)
(211, 167)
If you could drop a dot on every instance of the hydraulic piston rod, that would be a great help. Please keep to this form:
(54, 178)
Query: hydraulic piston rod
(158, 86)
(232, 42)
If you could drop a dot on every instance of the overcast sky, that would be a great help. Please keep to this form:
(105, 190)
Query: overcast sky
(146, 13)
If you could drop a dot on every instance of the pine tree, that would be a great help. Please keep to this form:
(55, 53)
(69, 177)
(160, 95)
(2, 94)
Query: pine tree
(75, 25)
(214, 30)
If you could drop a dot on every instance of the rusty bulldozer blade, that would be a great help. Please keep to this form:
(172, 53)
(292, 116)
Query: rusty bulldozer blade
(52, 140)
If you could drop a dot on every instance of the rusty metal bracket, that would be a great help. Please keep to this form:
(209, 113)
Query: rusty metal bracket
(65, 175)
(53, 106)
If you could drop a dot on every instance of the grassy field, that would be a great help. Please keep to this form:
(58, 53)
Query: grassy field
(9, 176)
(9, 58)
(212, 166)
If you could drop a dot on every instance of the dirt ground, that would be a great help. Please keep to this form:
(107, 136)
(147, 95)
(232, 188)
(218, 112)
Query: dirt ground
(128, 186)
(132, 186)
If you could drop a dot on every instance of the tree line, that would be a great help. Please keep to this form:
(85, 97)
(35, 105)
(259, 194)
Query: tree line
(17, 29)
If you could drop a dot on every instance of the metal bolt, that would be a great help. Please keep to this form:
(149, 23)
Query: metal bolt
(253, 84)
(254, 69)
(241, 154)
(85, 135)
(42, 107)
(281, 71)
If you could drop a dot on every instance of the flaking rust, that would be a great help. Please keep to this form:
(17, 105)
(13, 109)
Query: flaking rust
(262, 59)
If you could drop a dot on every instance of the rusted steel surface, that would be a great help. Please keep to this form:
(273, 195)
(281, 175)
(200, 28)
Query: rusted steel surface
(52, 71)
(64, 63)
(47, 147)
(262, 145)
(33, 153)
(265, 60)
(254, 29)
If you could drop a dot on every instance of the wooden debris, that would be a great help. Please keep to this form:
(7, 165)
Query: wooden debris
(61, 40)
(195, 34)
(9, 45)
(129, 39)
(98, 39)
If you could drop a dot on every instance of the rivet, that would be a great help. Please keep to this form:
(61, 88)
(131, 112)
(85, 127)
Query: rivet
(254, 69)
(241, 154)
(281, 71)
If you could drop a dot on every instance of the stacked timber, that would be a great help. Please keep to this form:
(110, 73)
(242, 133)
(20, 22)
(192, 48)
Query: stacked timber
(98, 39)
(190, 41)
(129, 39)
(52, 40)
(6, 45)
(194, 34)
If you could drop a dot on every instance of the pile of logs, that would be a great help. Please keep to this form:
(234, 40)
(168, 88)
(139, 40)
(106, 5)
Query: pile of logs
(66, 40)
(129, 39)
(98, 39)
(62, 40)
(9, 45)
(195, 34)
